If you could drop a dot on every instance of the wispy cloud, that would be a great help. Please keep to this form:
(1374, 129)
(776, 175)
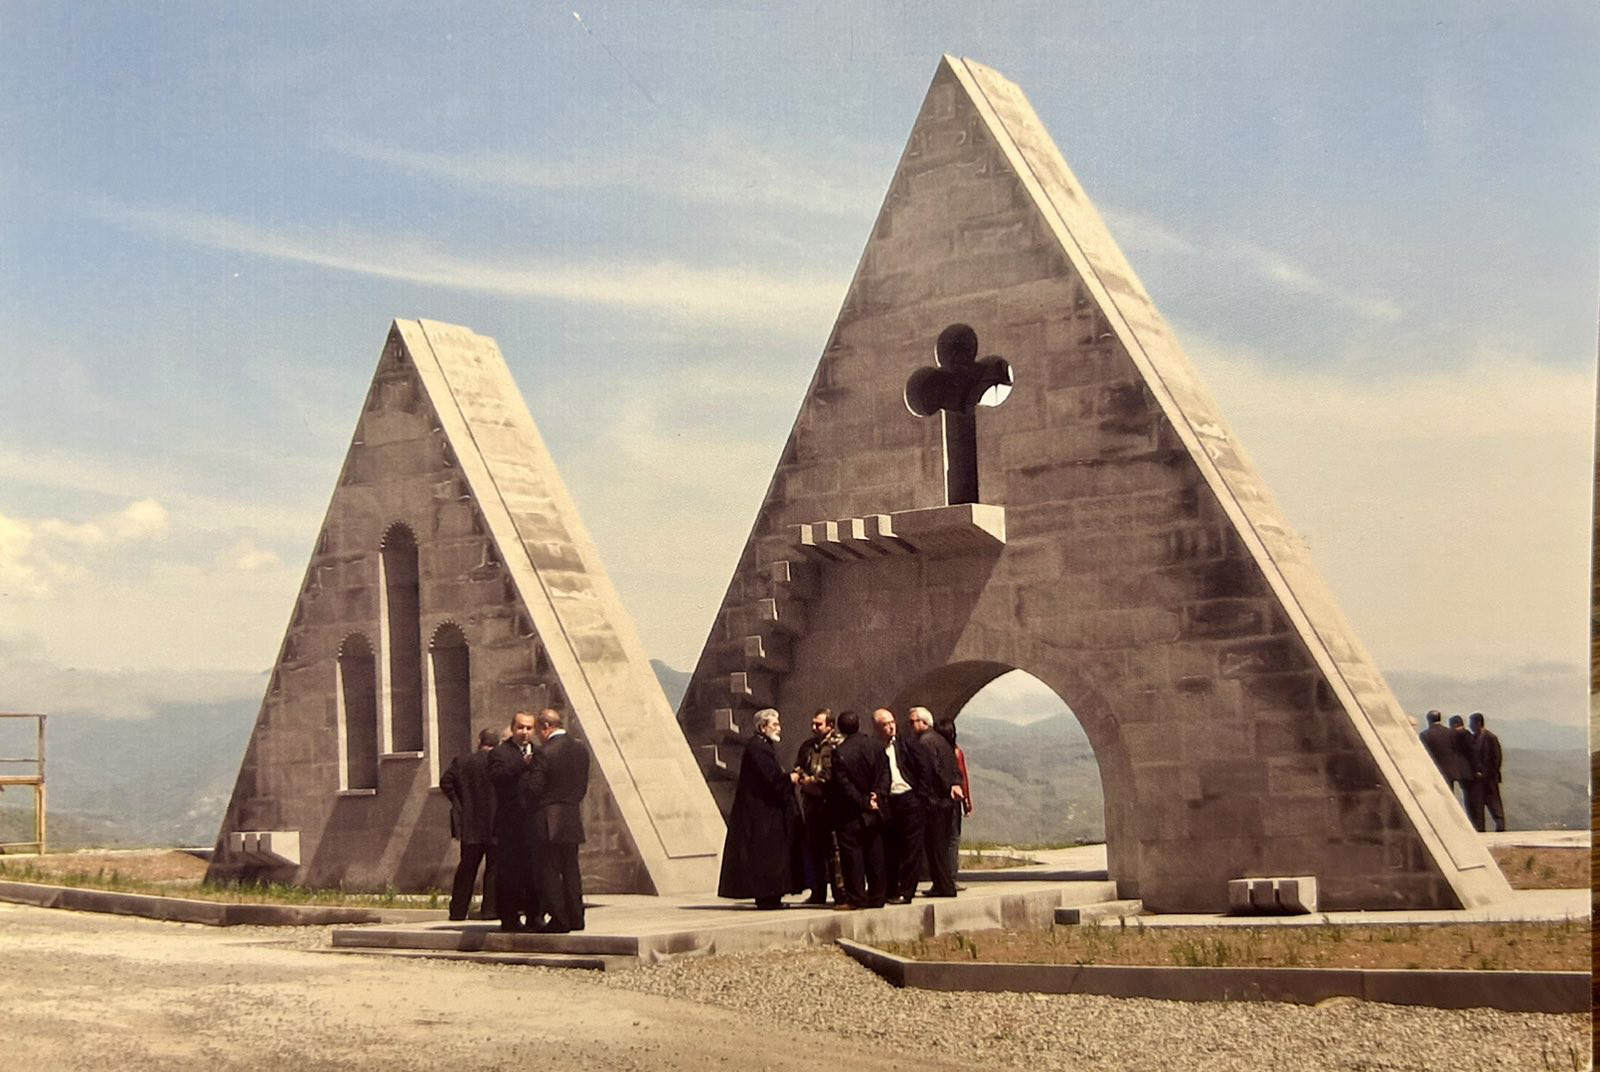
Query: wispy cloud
(669, 289)
(1135, 231)
(31, 681)
(719, 170)
(1301, 280)
(110, 475)
(246, 557)
(1448, 508)
(35, 556)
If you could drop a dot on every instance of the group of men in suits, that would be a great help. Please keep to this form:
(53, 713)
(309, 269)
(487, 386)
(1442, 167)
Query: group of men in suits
(532, 797)
(894, 800)
(1471, 759)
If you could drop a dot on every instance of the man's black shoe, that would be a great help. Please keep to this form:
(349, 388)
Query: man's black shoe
(898, 900)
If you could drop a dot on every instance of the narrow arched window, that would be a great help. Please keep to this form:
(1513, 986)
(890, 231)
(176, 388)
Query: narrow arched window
(450, 692)
(402, 641)
(357, 696)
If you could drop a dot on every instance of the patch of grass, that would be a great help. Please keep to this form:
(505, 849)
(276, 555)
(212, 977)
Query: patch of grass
(981, 860)
(100, 876)
(1543, 869)
(1552, 946)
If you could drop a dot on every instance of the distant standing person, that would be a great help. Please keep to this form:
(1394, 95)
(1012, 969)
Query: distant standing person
(553, 788)
(1471, 784)
(514, 841)
(1440, 741)
(1490, 756)
(813, 765)
(467, 787)
(761, 856)
(947, 728)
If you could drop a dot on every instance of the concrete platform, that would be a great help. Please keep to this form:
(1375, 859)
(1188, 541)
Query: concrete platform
(1524, 906)
(653, 929)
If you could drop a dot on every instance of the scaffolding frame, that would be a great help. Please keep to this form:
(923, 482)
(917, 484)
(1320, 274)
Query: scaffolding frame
(35, 780)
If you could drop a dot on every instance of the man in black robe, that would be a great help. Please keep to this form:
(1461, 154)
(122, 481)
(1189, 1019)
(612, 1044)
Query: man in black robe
(761, 856)
(467, 787)
(859, 782)
(552, 790)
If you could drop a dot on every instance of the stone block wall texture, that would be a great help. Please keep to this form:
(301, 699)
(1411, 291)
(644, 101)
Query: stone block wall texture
(1147, 576)
(445, 447)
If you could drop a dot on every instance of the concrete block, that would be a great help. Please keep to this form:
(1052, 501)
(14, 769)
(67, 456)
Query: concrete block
(1289, 896)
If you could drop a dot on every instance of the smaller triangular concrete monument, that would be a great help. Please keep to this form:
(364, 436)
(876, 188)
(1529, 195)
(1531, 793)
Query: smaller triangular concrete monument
(1004, 461)
(453, 585)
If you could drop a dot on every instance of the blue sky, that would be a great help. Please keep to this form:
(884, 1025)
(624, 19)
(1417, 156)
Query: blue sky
(1373, 228)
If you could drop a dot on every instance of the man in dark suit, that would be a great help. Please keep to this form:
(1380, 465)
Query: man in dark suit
(467, 787)
(941, 799)
(1471, 784)
(1440, 741)
(514, 840)
(553, 788)
(860, 779)
(1486, 747)
(909, 787)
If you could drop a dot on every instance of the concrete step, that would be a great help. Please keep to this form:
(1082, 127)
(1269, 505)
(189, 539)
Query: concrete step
(1094, 913)
(530, 960)
(485, 939)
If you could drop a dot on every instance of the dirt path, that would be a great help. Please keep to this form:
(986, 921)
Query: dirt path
(95, 993)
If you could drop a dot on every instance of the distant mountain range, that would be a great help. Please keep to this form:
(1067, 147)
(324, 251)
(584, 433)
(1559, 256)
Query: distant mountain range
(166, 779)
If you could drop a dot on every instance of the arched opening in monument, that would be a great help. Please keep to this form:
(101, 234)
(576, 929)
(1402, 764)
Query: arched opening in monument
(450, 692)
(356, 693)
(402, 641)
(1035, 777)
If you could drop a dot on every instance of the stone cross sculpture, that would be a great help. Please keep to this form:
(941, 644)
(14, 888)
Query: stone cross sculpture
(953, 388)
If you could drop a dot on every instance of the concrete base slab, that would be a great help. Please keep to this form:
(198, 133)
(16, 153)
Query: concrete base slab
(185, 910)
(655, 929)
(1557, 992)
(526, 960)
(1523, 906)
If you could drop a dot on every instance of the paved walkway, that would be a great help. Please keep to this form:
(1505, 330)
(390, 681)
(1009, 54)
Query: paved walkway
(658, 928)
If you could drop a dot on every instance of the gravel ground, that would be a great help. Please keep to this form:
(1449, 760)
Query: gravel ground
(1128, 1035)
(84, 992)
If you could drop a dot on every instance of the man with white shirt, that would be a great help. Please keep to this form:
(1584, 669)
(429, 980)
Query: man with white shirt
(902, 812)
(513, 827)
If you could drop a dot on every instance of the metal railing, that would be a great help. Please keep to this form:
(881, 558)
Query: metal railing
(35, 779)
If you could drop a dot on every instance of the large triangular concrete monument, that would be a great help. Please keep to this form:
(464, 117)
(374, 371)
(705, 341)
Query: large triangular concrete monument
(453, 584)
(1099, 528)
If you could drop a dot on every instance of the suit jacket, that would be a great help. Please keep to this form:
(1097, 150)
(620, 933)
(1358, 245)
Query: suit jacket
(913, 764)
(1489, 755)
(1440, 741)
(939, 760)
(553, 788)
(513, 821)
(860, 768)
(472, 798)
